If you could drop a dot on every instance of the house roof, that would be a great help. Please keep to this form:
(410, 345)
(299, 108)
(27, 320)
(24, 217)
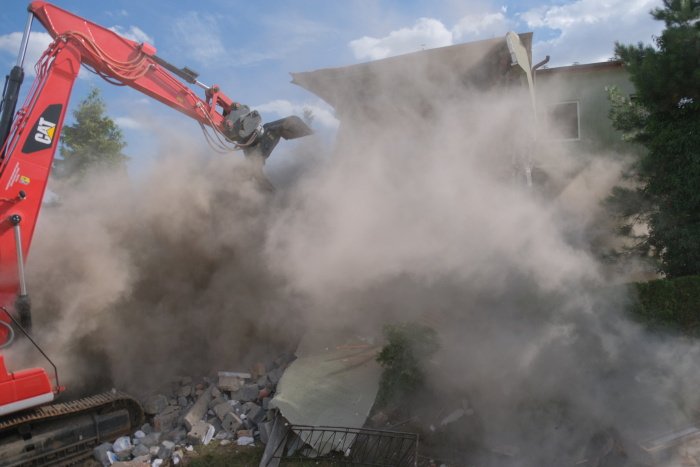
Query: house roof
(584, 67)
(440, 71)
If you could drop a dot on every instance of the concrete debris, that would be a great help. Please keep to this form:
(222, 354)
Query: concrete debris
(247, 393)
(185, 391)
(222, 409)
(232, 381)
(137, 462)
(230, 408)
(167, 419)
(122, 444)
(232, 422)
(100, 453)
(141, 450)
(151, 439)
(155, 404)
(245, 441)
(199, 409)
(201, 433)
(165, 450)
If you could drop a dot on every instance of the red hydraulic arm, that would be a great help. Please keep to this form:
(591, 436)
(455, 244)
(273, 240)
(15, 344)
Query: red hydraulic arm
(27, 152)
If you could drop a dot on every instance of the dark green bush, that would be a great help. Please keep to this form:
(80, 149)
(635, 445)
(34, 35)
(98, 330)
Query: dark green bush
(670, 303)
(408, 346)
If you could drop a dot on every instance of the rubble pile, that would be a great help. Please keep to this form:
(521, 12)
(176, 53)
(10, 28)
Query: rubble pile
(232, 407)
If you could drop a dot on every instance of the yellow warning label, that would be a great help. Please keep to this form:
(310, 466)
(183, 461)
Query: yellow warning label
(24, 180)
(50, 131)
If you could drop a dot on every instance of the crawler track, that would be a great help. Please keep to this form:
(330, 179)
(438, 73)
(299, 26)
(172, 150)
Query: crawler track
(65, 433)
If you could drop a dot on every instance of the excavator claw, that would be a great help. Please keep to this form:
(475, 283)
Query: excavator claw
(288, 128)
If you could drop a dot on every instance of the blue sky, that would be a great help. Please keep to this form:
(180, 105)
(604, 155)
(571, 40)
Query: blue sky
(249, 48)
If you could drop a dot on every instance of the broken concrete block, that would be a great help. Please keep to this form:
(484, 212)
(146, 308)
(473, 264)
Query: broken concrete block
(184, 391)
(248, 392)
(216, 423)
(238, 409)
(182, 401)
(266, 403)
(141, 450)
(219, 400)
(254, 412)
(100, 453)
(124, 455)
(121, 444)
(231, 422)
(198, 410)
(151, 439)
(243, 433)
(176, 435)
(230, 383)
(215, 392)
(147, 428)
(133, 463)
(222, 409)
(167, 419)
(201, 433)
(155, 404)
(223, 434)
(245, 441)
(166, 450)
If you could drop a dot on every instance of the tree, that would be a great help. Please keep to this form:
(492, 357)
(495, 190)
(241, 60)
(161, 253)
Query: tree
(664, 117)
(93, 142)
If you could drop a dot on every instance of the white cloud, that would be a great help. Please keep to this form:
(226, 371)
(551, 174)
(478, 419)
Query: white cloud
(588, 29)
(38, 42)
(128, 123)
(426, 33)
(199, 36)
(133, 33)
(322, 113)
(482, 26)
(117, 13)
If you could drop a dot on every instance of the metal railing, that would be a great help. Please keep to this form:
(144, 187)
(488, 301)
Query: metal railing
(345, 446)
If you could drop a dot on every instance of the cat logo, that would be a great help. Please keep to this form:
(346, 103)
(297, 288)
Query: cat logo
(44, 130)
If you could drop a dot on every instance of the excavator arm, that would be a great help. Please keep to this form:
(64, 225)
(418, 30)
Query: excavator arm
(28, 141)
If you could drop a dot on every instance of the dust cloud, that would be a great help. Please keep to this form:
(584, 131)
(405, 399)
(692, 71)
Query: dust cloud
(136, 282)
(416, 216)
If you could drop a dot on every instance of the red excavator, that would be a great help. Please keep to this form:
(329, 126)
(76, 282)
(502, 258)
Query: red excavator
(32, 430)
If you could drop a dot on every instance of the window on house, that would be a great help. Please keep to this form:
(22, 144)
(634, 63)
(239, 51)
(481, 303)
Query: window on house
(564, 121)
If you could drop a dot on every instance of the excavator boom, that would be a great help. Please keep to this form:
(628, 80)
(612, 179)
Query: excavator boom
(28, 141)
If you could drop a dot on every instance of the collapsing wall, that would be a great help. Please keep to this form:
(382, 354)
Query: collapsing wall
(416, 218)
